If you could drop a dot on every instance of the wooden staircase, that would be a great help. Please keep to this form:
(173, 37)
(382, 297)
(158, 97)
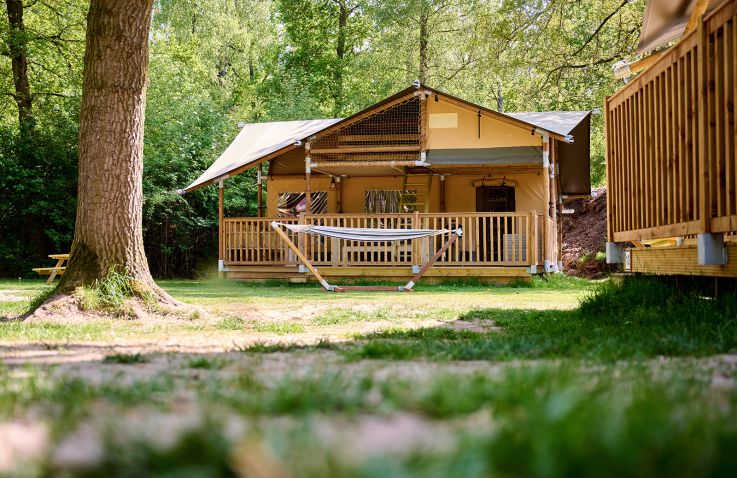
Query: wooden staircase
(416, 189)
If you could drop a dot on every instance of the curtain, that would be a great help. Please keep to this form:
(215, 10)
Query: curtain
(293, 204)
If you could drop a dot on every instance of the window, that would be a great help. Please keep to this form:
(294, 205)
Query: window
(386, 201)
(293, 204)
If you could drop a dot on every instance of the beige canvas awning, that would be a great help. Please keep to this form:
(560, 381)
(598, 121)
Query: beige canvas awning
(257, 142)
(665, 20)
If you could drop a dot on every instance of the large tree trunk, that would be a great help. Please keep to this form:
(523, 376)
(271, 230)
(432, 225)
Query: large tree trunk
(340, 51)
(19, 63)
(108, 231)
(424, 37)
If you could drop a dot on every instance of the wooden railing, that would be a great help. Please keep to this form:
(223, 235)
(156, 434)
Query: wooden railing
(671, 160)
(489, 239)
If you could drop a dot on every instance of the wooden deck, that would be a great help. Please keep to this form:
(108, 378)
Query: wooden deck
(399, 275)
(672, 150)
(504, 246)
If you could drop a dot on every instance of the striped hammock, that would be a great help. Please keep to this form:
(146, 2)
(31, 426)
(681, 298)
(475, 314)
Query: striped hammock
(368, 234)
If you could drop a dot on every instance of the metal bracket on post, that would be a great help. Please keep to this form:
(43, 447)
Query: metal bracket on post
(711, 250)
(532, 269)
(614, 253)
(221, 266)
(415, 269)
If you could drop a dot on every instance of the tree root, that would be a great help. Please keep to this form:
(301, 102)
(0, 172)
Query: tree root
(147, 304)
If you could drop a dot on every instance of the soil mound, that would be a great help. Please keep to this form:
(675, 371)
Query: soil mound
(584, 236)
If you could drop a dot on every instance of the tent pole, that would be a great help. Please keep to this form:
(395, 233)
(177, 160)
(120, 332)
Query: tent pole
(559, 197)
(221, 239)
(308, 193)
(339, 194)
(442, 193)
(308, 180)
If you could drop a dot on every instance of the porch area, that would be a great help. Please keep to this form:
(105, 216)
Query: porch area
(498, 247)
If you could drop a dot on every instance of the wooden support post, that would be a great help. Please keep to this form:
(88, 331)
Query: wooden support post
(453, 238)
(550, 159)
(559, 208)
(608, 164)
(308, 180)
(260, 184)
(416, 259)
(308, 193)
(560, 238)
(221, 237)
(442, 193)
(300, 256)
(532, 240)
(704, 160)
(339, 194)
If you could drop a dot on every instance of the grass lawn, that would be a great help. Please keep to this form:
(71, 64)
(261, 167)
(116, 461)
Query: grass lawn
(561, 378)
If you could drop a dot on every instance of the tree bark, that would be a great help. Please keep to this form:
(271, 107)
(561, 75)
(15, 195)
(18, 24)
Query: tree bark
(108, 231)
(423, 46)
(17, 48)
(340, 51)
(499, 97)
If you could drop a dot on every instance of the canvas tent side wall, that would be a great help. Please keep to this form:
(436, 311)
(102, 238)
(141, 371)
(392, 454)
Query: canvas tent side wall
(454, 127)
(460, 191)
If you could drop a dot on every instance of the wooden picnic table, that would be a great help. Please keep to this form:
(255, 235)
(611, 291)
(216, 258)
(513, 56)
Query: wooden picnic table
(58, 269)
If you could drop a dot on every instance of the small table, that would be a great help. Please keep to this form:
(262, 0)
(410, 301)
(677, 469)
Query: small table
(58, 269)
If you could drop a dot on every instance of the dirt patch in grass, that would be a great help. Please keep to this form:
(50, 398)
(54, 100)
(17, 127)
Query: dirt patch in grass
(11, 295)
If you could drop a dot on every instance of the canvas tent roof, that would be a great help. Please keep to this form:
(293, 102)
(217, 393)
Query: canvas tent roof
(258, 142)
(665, 20)
(560, 122)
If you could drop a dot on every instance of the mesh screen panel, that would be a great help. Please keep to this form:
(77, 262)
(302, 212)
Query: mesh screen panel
(392, 134)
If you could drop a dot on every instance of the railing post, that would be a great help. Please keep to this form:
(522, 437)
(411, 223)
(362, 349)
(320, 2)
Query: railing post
(415, 247)
(705, 200)
(532, 241)
(611, 194)
(301, 244)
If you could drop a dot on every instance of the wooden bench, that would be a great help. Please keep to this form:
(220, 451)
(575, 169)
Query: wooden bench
(52, 272)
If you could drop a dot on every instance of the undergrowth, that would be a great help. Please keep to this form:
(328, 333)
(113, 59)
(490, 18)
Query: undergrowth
(112, 292)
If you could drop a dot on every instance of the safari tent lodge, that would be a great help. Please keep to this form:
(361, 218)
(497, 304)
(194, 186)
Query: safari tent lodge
(420, 159)
(672, 145)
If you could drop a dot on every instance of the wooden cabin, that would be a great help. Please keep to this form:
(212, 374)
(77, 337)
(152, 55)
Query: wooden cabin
(672, 146)
(418, 159)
